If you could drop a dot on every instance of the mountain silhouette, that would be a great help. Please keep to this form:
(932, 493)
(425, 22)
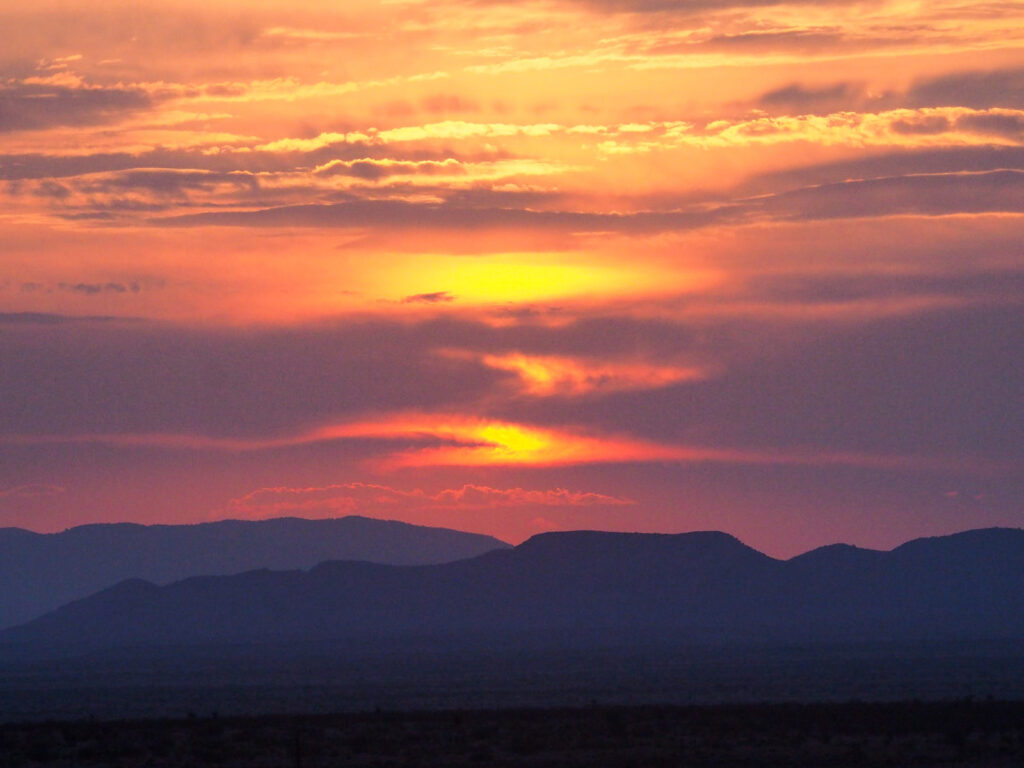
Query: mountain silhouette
(581, 587)
(40, 572)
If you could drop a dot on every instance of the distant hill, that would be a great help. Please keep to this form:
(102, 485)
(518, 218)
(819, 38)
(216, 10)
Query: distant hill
(582, 587)
(39, 572)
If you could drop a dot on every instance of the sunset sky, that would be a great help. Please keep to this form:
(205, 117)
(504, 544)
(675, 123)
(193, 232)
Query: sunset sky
(508, 267)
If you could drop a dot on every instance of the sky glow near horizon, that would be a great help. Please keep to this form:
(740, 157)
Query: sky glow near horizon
(509, 267)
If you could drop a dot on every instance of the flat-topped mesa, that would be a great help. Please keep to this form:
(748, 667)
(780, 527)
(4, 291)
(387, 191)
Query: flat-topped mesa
(705, 544)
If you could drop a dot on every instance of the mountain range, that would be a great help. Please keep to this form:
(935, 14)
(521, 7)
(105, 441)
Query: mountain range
(40, 572)
(580, 587)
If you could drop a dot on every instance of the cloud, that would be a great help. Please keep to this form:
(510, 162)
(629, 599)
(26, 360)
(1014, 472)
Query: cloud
(545, 376)
(803, 99)
(93, 289)
(906, 128)
(455, 440)
(31, 491)
(976, 89)
(192, 162)
(943, 382)
(48, 318)
(459, 440)
(928, 194)
(766, 41)
(936, 194)
(928, 388)
(890, 164)
(446, 103)
(41, 103)
(148, 378)
(294, 35)
(375, 500)
(402, 214)
(438, 297)
(167, 181)
(1009, 125)
(997, 286)
(662, 6)
(371, 169)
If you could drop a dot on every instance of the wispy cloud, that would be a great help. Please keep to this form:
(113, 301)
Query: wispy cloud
(375, 500)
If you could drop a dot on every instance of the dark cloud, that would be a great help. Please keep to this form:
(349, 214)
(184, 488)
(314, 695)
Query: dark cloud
(46, 318)
(998, 286)
(886, 164)
(52, 189)
(660, 6)
(90, 216)
(760, 41)
(394, 213)
(937, 194)
(937, 383)
(63, 375)
(945, 382)
(979, 90)
(31, 490)
(172, 182)
(149, 378)
(372, 170)
(438, 297)
(1001, 88)
(144, 189)
(1010, 126)
(29, 106)
(92, 289)
(934, 194)
(921, 125)
(15, 167)
(448, 103)
(788, 40)
(796, 97)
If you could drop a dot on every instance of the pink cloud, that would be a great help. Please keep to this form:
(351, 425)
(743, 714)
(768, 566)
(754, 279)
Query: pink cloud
(381, 500)
(31, 491)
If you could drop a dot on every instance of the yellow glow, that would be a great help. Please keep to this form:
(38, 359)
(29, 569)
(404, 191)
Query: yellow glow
(512, 278)
(514, 440)
(494, 443)
(484, 443)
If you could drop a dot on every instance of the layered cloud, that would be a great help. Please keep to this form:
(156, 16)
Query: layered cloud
(725, 259)
(374, 500)
(31, 491)
(735, 402)
(44, 102)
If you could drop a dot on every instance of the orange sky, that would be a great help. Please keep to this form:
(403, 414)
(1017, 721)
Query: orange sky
(734, 265)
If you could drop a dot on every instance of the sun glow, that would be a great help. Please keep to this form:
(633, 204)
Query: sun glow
(476, 442)
(515, 277)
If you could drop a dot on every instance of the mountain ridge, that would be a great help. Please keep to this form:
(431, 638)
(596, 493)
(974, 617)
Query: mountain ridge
(41, 571)
(581, 584)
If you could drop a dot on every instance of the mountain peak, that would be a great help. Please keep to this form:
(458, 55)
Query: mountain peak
(42, 571)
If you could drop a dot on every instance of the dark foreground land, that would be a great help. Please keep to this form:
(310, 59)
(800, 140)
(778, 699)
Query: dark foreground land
(963, 733)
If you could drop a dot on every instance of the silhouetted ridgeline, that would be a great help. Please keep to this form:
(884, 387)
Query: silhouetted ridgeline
(583, 588)
(39, 572)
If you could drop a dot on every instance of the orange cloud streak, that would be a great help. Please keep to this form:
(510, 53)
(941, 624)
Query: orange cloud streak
(478, 442)
(382, 500)
(470, 442)
(552, 375)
